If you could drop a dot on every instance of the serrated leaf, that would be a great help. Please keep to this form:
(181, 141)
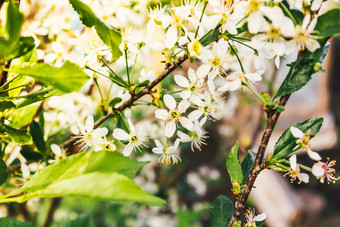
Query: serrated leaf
(4, 105)
(233, 164)
(18, 136)
(14, 223)
(287, 142)
(247, 165)
(210, 37)
(38, 136)
(3, 172)
(298, 76)
(68, 78)
(328, 24)
(110, 36)
(221, 211)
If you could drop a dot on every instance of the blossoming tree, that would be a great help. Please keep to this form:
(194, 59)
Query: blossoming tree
(62, 67)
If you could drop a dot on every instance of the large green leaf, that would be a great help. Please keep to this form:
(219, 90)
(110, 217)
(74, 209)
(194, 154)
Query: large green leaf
(85, 162)
(329, 23)
(14, 22)
(110, 36)
(18, 136)
(4, 105)
(6, 222)
(233, 165)
(287, 142)
(100, 185)
(103, 175)
(299, 74)
(23, 46)
(247, 165)
(68, 78)
(23, 116)
(221, 211)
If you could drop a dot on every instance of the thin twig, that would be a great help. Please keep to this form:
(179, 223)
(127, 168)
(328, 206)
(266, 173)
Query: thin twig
(129, 103)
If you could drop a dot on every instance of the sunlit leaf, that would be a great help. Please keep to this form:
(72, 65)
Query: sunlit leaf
(110, 36)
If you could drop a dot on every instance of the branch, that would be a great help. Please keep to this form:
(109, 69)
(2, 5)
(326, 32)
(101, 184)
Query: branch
(129, 103)
(258, 165)
(53, 207)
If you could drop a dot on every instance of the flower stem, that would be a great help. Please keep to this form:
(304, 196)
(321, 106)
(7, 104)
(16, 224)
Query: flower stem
(127, 67)
(284, 7)
(238, 59)
(198, 27)
(255, 92)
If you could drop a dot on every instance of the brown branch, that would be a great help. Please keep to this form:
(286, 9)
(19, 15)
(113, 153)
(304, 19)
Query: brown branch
(129, 103)
(53, 207)
(273, 116)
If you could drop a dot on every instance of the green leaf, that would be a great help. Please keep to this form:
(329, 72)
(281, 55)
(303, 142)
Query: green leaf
(14, 223)
(18, 136)
(266, 97)
(38, 136)
(247, 165)
(120, 123)
(23, 46)
(103, 175)
(83, 220)
(68, 78)
(3, 172)
(329, 23)
(287, 142)
(39, 95)
(210, 37)
(110, 36)
(23, 116)
(106, 186)
(221, 211)
(298, 76)
(233, 164)
(260, 223)
(115, 101)
(13, 22)
(30, 155)
(4, 105)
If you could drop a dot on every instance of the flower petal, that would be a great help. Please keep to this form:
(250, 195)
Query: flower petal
(292, 161)
(170, 128)
(260, 217)
(120, 134)
(313, 155)
(162, 114)
(170, 102)
(89, 124)
(186, 123)
(182, 81)
(194, 115)
(297, 133)
(127, 150)
(183, 106)
(317, 170)
(100, 132)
